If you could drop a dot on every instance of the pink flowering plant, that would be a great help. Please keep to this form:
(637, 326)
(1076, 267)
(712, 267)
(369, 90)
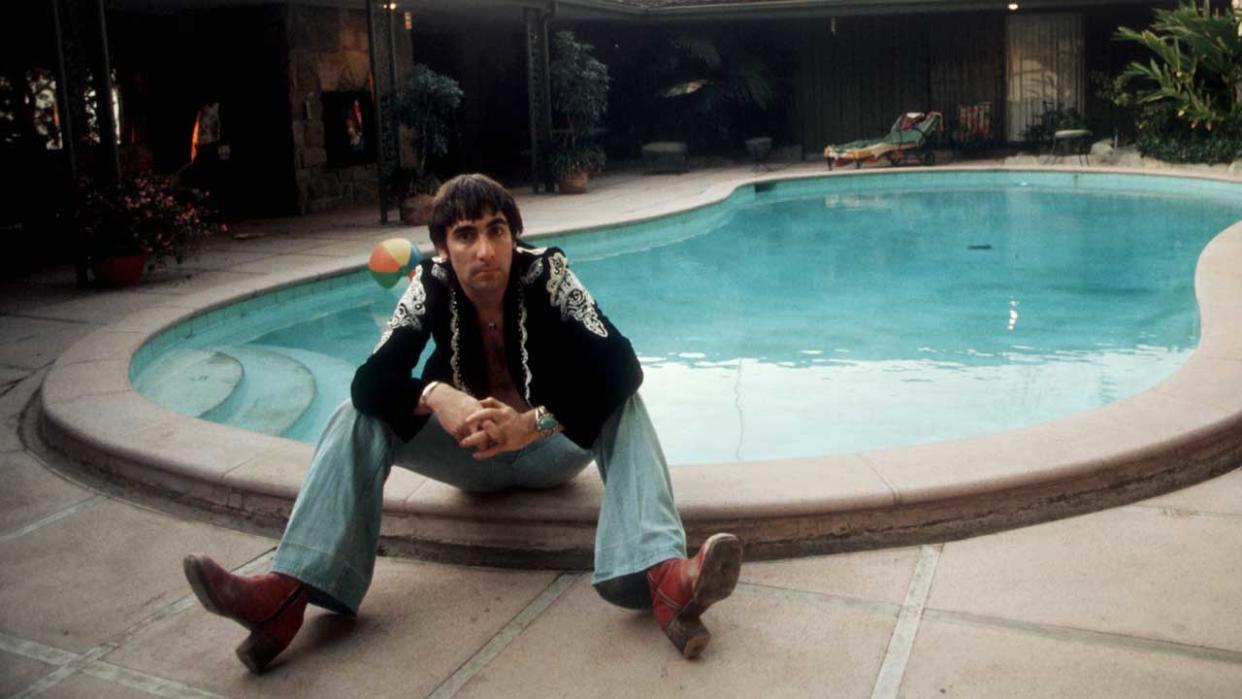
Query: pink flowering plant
(144, 215)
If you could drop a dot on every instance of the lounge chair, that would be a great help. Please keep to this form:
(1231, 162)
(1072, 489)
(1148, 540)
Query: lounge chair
(907, 138)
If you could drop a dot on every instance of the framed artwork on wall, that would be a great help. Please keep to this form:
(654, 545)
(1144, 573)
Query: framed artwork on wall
(349, 128)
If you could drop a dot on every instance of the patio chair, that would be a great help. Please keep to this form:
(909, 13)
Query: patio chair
(974, 126)
(908, 137)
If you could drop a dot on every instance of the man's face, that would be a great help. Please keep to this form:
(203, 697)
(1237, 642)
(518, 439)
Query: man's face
(481, 252)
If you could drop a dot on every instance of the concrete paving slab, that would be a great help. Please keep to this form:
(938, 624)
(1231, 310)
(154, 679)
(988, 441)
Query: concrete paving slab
(359, 233)
(18, 296)
(103, 306)
(419, 622)
(222, 260)
(994, 461)
(12, 403)
(956, 659)
(62, 276)
(273, 243)
(277, 472)
(31, 343)
(1221, 337)
(151, 320)
(1220, 495)
(727, 490)
(83, 686)
(360, 249)
(17, 394)
(277, 263)
(88, 378)
(17, 673)
(1137, 422)
(179, 281)
(876, 575)
(110, 419)
(263, 226)
(1209, 380)
(1131, 571)
(80, 580)
(104, 343)
(32, 492)
(765, 643)
(10, 375)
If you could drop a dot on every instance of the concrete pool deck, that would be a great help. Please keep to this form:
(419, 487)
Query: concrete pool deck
(1187, 428)
(1133, 600)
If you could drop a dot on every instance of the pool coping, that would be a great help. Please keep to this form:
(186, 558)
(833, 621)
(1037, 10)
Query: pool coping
(1187, 428)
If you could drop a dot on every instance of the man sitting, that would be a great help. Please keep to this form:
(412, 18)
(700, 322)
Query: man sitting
(527, 384)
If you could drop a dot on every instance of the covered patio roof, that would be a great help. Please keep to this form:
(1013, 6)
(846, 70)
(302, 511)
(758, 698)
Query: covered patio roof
(718, 8)
(599, 9)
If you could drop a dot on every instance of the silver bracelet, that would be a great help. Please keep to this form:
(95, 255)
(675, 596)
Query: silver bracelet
(431, 386)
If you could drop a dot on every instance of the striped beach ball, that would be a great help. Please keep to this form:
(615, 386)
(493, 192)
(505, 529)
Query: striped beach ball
(392, 259)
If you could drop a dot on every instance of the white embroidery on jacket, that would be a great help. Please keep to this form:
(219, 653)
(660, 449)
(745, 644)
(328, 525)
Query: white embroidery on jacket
(455, 345)
(522, 340)
(532, 275)
(410, 310)
(439, 272)
(568, 294)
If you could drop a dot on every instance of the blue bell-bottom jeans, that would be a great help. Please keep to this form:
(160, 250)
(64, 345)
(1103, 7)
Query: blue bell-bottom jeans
(330, 541)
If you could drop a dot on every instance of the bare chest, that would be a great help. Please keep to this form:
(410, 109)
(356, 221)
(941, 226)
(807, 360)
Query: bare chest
(496, 365)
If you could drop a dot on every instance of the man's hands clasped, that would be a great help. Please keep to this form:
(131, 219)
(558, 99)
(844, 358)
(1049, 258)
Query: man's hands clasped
(489, 426)
(499, 428)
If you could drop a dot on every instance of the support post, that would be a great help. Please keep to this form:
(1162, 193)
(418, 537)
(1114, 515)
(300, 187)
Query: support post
(538, 96)
(68, 135)
(376, 96)
(72, 121)
(392, 79)
(109, 150)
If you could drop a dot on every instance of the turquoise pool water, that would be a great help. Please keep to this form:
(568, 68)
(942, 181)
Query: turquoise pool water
(804, 317)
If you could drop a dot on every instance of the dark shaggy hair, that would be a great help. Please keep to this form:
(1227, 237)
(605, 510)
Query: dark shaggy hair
(468, 197)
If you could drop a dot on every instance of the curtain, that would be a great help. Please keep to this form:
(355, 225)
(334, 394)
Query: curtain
(1043, 68)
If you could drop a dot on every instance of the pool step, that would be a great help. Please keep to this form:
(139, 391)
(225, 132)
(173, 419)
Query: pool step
(274, 393)
(333, 377)
(190, 381)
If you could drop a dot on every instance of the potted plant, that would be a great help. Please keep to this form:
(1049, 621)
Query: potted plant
(426, 108)
(579, 85)
(139, 224)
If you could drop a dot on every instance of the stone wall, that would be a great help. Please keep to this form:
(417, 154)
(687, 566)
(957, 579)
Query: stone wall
(328, 50)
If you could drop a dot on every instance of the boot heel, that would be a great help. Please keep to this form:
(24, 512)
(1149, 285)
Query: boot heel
(688, 635)
(257, 651)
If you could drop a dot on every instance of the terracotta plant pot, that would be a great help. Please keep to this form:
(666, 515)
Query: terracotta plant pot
(416, 209)
(114, 272)
(574, 183)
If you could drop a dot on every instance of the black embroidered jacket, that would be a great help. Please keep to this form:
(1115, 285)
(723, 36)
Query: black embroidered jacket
(563, 353)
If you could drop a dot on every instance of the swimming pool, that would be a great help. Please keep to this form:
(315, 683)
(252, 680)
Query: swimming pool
(804, 317)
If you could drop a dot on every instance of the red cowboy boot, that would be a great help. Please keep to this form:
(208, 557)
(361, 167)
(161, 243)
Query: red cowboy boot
(271, 606)
(683, 588)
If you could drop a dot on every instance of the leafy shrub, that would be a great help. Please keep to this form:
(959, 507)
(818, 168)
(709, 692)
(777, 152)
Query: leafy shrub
(1195, 71)
(1163, 134)
(141, 215)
